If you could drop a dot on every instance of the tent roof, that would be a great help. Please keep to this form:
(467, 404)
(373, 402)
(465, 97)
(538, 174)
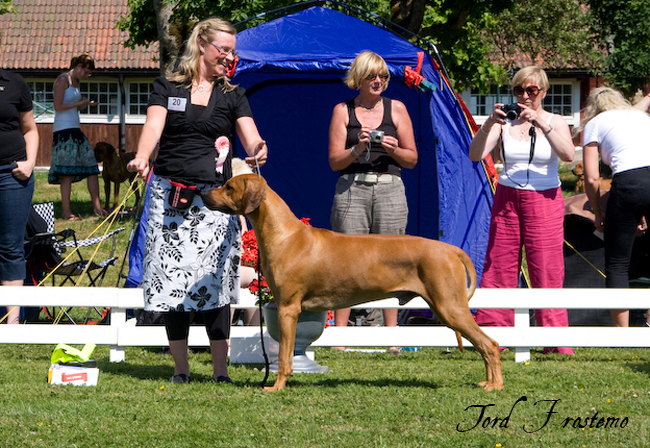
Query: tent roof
(319, 39)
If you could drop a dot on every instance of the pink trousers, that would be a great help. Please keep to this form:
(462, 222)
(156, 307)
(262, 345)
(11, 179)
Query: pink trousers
(534, 220)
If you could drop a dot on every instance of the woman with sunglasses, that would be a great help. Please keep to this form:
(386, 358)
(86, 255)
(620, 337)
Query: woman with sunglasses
(191, 261)
(370, 141)
(528, 210)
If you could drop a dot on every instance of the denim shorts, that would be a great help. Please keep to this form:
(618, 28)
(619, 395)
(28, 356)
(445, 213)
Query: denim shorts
(15, 200)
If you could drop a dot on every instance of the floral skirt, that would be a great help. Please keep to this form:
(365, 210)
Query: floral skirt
(72, 156)
(191, 260)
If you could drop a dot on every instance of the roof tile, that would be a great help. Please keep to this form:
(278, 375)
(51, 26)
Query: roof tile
(48, 33)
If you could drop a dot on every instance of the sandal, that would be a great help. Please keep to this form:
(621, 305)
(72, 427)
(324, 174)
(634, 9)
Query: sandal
(224, 379)
(181, 378)
(72, 217)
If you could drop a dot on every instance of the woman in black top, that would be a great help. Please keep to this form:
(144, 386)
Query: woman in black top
(18, 149)
(192, 254)
(371, 140)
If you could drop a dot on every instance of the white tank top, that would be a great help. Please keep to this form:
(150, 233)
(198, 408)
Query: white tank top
(68, 119)
(542, 172)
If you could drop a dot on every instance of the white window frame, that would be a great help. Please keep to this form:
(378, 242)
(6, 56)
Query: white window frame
(572, 120)
(135, 118)
(96, 118)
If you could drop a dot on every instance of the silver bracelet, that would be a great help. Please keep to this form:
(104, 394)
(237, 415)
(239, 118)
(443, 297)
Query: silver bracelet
(353, 151)
(484, 131)
(550, 128)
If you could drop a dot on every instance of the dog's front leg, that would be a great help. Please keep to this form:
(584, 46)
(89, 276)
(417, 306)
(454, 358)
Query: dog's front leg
(287, 319)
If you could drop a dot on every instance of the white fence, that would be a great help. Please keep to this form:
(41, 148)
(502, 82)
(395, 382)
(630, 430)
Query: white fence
(121, 333)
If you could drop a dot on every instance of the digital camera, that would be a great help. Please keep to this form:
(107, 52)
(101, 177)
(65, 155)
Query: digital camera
(376, 136)
(512, 111)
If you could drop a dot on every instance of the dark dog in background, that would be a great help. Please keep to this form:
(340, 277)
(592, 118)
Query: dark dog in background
(114, 170)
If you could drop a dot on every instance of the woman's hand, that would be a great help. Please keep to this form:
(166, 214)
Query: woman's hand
(139, 165)
(487, 137)
(599, 221)
(364, 139)
(24, 170)
(496, 117)
(642, 227)
(390, 144)
(259, 156)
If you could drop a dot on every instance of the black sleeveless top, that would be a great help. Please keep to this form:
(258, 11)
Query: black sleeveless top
(379, 161)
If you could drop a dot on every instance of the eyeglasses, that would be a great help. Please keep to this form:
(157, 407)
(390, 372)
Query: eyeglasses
(232, 52)
(383, 76)
(530, 90)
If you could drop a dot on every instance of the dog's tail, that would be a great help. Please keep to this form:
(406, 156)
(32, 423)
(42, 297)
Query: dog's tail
(471, 285)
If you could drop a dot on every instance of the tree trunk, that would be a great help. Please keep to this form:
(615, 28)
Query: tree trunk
(408, 14)
(168, 43)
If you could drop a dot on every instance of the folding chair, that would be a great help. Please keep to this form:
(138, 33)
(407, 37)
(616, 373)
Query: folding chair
(45, 249)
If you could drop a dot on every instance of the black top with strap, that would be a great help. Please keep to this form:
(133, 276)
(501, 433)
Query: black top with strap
(187, 145)
(379, 161)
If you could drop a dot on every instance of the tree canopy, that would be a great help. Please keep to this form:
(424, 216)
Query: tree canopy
(6, 6)
(478, 40)
(624, 37)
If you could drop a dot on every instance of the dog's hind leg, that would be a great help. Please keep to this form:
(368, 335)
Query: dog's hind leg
(461, 320)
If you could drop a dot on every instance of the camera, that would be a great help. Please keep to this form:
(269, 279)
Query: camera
(512, 111)
(376, 136)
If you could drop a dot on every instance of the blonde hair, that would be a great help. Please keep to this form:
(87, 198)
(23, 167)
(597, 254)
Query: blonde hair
(189, 65)
(366, 63)
(84, 60)
(602, 99)
(530, 73)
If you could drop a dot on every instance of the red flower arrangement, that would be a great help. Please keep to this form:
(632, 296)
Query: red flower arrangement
(250, 257)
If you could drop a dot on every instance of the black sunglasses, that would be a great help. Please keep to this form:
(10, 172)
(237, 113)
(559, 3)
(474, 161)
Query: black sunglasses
(530, 90)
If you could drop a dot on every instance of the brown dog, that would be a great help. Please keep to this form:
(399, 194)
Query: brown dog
(114, 171)
(315, 269)
(579, 172)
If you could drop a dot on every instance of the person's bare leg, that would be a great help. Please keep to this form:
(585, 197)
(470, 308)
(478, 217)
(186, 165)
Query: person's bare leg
(390, 320)
(66, 188)
(13, 314)
(341, 318)
(93, 189)
(178, 350)
(620, 318)
(219, 350)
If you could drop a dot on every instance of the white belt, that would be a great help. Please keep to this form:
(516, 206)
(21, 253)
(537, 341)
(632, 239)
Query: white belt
(370, 178)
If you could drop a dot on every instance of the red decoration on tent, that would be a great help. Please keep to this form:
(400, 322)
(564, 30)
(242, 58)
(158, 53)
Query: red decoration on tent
(230, 70)
(413, 78)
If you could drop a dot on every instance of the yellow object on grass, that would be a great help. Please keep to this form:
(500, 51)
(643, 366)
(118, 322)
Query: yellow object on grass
(64, 353)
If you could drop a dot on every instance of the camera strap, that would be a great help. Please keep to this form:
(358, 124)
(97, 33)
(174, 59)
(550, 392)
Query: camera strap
(533, 138)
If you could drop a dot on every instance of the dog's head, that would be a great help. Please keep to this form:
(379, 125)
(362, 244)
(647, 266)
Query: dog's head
(239, 196)
(104, 151)
(579, 170)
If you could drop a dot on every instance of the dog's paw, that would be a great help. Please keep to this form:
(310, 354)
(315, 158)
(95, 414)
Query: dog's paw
(488, 386)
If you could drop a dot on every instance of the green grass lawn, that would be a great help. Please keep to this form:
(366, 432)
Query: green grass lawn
(416, 399)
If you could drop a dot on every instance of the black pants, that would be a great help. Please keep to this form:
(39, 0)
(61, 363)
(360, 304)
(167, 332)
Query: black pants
(629, 200)
(216, 321)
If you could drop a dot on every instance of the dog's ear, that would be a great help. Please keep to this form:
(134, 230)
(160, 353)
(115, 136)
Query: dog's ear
(254, 192)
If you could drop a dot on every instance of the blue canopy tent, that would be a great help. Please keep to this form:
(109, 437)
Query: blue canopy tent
(292, 68)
